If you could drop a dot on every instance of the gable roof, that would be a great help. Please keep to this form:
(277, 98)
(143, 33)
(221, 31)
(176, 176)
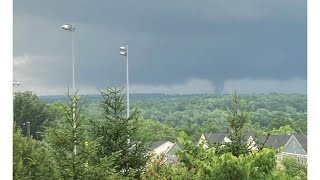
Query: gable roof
(277, 141)
(274, 141)
(291, 146)
(303, 140)
(157, 144)
(215, 137)
(160, 148)
(173, 148)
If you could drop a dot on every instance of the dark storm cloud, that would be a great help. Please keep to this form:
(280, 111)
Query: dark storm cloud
(169, 41)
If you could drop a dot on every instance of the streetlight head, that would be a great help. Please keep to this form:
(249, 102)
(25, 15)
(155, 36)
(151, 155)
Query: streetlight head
(68, 27)
(122, 48)
(123, 53)
(16, 83)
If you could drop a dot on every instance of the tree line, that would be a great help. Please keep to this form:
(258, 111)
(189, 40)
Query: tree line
(195, 114)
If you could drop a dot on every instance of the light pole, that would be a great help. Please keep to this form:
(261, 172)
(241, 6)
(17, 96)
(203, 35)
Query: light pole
(15, 83)
(71, 28)
(28, 130)
(124, 52)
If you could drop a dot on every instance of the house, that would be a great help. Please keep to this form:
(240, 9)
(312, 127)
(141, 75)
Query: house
(294, 145)
(303, 143)
(222, 137)
(166, 149)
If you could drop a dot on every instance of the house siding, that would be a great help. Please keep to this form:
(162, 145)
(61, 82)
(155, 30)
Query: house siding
(294, 147)
(171, 157)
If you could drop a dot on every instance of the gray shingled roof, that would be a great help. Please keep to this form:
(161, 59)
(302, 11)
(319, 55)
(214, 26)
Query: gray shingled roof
(215, 137)
(274, 141)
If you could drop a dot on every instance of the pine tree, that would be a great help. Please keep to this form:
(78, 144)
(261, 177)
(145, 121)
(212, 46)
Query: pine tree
(238, 118)
(74, 151)
(115, 133)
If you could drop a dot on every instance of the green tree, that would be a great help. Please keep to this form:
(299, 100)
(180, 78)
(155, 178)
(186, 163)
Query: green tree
(283, 130)
(32, 159)
(58, 108)
(300, 125)
(74, 151)
(199, 163)
(115, 131)
(279, 119)
(28, 107)
(147, 129)
(237, 119)
(158, 169)
(261, 117)
(293, 169)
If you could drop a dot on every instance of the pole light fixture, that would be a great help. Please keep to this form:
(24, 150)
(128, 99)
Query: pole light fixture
(124, 52)
(70, 27)
(15, 83)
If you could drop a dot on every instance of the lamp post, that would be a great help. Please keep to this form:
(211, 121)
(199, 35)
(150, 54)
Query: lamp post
(15, 83)
(28, 130)
(71, 28)
(124, 52)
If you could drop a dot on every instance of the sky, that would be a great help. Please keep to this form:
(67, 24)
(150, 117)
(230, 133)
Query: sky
(175, 47)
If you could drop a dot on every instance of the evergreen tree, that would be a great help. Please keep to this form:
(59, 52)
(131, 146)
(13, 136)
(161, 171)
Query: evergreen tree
(74, 151)
(238, 117)
(115, 133)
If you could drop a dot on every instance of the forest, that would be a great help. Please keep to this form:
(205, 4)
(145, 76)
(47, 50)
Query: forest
(196, 114)
(105, 144)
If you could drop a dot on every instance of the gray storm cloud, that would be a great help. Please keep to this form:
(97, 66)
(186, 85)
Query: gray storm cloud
(170, 42)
